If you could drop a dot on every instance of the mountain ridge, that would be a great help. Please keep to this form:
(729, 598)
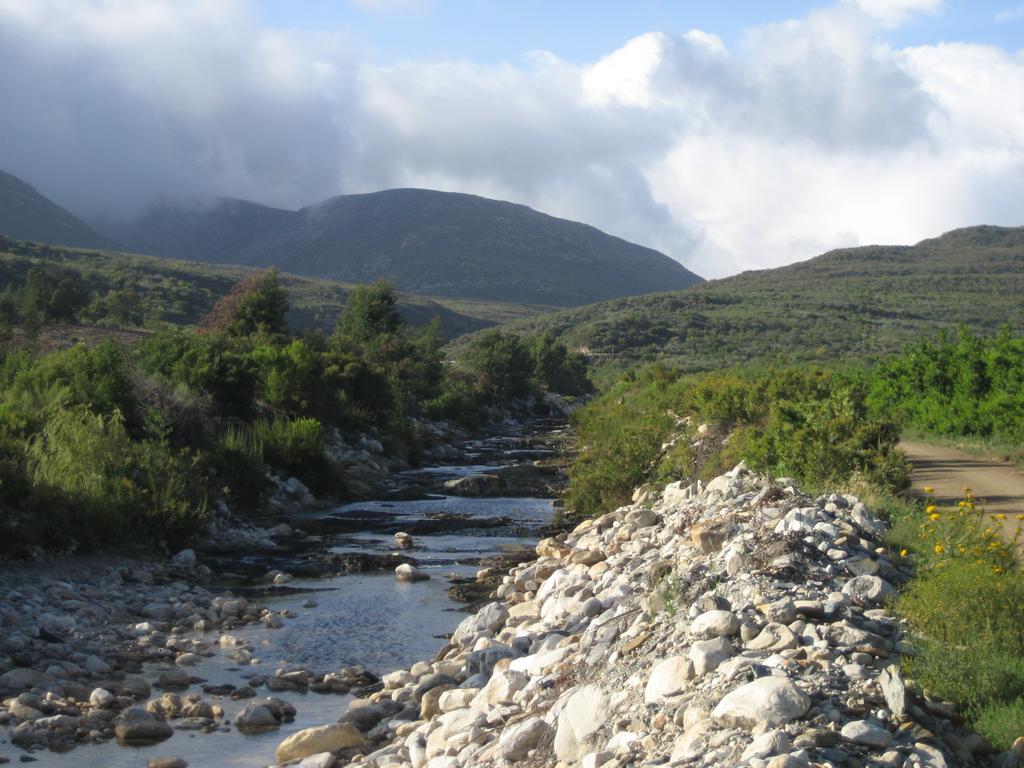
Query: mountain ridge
(865, 301)
(26, 214)
(427, 242)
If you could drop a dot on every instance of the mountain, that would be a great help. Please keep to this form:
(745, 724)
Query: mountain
(427, 242)
(27, 215)
(178, 292)
(862, 302)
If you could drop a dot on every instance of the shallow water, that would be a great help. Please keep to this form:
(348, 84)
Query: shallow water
(366, 619)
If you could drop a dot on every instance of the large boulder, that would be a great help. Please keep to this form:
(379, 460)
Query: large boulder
(256, 717)
(475, 485)
(669, 676)
(323, 738)
(137, 728)
(773, 701)
(517, 740)
(487, 619)
(582, 715)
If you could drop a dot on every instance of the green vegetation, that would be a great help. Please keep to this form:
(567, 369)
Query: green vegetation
(810, 424)
(427, 242)
(858, 302)
(962, 387)
(126, 290)
(964, 608)
(115, 446)
(832, 429)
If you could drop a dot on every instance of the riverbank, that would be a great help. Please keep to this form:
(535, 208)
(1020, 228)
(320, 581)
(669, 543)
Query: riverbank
(741, 623)
(295, 608)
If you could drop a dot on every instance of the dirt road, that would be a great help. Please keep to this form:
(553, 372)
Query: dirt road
(998, 486)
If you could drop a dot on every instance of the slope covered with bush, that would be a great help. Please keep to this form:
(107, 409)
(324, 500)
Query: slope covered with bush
(112, 446)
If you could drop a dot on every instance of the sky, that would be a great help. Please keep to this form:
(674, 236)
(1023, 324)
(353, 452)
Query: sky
(729, 135)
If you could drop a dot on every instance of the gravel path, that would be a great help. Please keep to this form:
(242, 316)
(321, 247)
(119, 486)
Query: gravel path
(997, 485)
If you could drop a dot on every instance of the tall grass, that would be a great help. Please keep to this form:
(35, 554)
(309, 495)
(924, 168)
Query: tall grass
(964, 609)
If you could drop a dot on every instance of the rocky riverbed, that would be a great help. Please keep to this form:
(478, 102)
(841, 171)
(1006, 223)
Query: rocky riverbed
(738, 624)
(217, 654)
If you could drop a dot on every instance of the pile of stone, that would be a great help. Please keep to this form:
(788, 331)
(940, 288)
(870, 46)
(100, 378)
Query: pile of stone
(741, 623)
(74, 642)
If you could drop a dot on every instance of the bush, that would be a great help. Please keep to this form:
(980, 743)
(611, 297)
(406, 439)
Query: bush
(1001, 723)
(811, 424)
(217, 366)
(501, 363)
(99, 377)
(959, 387)
(966, 619)
(116, 491)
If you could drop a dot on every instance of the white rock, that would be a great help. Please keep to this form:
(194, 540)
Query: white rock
(101, 697)
(487, 619)
(766, 745)
(706, 655)
(869, 591)
(770, 700)
(582, 715)
(668, 676)
(184, 559)
(867, 734)
(407, 572)
(715, 624)
(517, 740)
(312, 741)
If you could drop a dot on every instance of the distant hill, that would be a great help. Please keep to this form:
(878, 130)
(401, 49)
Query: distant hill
(27, 215)
(427, 242)
(860, 302)
(180, 293)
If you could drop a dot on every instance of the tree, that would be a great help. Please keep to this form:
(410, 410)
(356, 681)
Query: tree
(257, 304)
(54, 295)
(501, 363)
(557, 368)
(369, 320)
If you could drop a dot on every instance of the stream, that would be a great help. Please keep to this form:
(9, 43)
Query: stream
(368, 619)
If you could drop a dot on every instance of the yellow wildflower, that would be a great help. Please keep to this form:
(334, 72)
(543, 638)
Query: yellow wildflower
(939, 549)
(930, 509)
(903, 553)
(1000, 516)
(929, 489)
(934, 516)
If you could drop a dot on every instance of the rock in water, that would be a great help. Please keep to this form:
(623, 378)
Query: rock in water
(137, 728)
(324, 738)
(255, 718)
(406, 572)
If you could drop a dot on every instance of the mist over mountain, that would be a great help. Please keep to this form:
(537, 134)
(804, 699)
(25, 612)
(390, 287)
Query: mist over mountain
(27, 215)
(427, 242)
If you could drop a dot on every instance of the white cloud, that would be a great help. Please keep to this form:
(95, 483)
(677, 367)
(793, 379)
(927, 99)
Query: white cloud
(895, 12)
(810, 134)
(1011, 14)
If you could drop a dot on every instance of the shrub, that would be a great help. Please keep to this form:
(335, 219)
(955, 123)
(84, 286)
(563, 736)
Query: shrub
(501, 363)
(1002, 723)
(256, 305)
(966, 619)
(117, 491)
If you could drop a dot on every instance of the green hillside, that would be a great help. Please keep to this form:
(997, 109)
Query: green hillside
(148, 290)
(859, 302)
(427, 242)
(27, 215)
